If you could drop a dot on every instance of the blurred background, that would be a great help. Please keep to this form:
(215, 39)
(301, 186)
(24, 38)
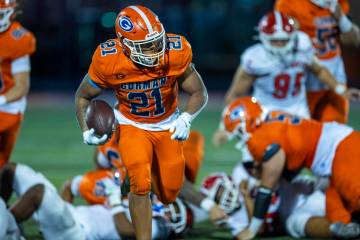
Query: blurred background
(68, 32)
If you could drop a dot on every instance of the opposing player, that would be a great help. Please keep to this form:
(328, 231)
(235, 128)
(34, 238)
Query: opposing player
(279, 141)
(58, 219)
(16, 46)
(277, 68)
(325, 21)
(145, 66)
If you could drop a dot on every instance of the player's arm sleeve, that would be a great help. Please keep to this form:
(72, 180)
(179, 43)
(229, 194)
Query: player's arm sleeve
(247, 63)
(345, 6)
(285, 7)
(25, 44)
(97, 73)
(21, 64)
(184, 58)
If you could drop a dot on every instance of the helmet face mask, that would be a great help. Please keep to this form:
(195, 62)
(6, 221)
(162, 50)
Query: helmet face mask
(277, 34)
(5, 18)
(220, 188)
(147, 52)
(177, 214)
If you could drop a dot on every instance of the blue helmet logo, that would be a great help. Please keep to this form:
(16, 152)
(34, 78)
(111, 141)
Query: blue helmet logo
(126, 24)
(237, 113)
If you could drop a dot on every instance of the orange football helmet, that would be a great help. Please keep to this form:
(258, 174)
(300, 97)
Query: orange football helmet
(7, 11)
(141, 35)
(242, 116)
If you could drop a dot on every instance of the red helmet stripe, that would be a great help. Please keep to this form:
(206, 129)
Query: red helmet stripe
(144, 17)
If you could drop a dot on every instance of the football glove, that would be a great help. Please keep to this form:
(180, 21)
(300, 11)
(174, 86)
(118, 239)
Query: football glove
(91, 139)
(112, 192)
(181, 127)
(346, 231)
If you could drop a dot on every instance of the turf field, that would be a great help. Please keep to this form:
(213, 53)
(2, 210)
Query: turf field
(51, 143)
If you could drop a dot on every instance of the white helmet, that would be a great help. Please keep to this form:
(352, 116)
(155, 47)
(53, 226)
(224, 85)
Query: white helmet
(328, 4)
(277, 26)
(179, 216)
(7, 9)
(220, 188)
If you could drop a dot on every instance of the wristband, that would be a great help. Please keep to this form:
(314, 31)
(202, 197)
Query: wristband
(117, 209)
(340, 89)
(207, 204)
(2, 99)
(255, 225)
(344, 24)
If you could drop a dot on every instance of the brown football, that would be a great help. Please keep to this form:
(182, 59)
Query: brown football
(100, 116)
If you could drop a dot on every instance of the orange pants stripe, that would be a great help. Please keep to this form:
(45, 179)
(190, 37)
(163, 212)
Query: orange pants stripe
(9, 129)
(152, 157)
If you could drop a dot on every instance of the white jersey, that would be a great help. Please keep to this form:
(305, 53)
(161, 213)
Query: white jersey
(59, 220)
(96, 220)
(280, 85)
(239, 220)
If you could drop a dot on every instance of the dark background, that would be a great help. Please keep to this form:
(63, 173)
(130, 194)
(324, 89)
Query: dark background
(68, 31)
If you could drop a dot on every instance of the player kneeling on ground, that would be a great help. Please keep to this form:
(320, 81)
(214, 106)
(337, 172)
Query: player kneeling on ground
(281, 141)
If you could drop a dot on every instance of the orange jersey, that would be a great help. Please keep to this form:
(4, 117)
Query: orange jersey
(146, 95)
(317, 22)
(297, 137)
(91, 187)
(15, 42)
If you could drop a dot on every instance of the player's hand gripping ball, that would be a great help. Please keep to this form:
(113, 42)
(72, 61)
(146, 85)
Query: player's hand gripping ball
(100, 117)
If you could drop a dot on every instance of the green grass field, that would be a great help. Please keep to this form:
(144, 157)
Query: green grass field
(51, 142)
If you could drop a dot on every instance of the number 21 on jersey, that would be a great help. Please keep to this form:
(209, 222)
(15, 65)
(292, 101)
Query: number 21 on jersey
(140, 103)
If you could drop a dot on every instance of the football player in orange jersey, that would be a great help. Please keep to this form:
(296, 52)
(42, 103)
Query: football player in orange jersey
(280, 141)
(16, 46)
(325, 21)
(145, 67)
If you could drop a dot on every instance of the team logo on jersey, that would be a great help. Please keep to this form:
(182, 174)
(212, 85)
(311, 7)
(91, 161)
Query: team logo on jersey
(126, 24)
(237, 113)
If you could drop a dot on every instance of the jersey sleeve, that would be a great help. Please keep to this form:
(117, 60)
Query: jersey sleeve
(247, 61)
(97, 68)
(305, 48)
(345, 6)
(181, 54)
(284, 6)
(262, 140)
(24, 43)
